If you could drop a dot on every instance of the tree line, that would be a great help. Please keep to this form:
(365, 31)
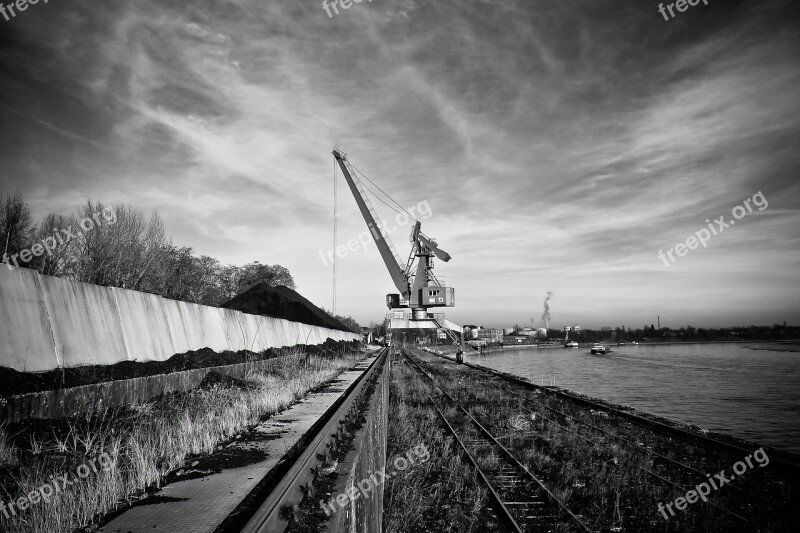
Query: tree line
(121, 247)
(650, 333)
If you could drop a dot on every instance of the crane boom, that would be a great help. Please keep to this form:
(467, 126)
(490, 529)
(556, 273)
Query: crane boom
(385, 247)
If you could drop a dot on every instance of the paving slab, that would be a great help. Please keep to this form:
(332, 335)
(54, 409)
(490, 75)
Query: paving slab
(200, 505)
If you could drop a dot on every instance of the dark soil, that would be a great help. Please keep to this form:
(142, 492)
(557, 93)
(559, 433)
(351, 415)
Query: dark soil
(282, 302)
(215, 379)
(234, 454)
(13, 382)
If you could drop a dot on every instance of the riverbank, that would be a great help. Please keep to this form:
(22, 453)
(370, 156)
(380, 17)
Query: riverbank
(786, 346)
(614, 474)
(724, 387)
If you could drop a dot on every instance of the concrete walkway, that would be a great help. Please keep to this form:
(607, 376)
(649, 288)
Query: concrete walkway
(200, 505)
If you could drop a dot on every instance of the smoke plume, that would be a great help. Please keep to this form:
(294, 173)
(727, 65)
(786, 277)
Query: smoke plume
(546, 314)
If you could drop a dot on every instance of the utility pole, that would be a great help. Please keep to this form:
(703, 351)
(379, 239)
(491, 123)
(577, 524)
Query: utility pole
(462, 345)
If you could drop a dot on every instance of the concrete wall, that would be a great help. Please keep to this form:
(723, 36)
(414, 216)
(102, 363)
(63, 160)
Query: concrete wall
(48, 323)
(74, 401)
(368, 456)
(25, 334)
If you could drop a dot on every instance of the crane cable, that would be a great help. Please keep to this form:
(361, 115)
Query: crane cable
(334, 236)
(405, 211)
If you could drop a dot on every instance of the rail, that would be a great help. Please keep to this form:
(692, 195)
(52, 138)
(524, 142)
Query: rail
(531, 510)
(652, 424)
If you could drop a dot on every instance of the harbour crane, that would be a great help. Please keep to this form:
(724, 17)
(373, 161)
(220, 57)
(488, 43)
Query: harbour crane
(418, 287)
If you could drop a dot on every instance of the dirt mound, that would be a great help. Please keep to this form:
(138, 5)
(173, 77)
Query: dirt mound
(282, 302)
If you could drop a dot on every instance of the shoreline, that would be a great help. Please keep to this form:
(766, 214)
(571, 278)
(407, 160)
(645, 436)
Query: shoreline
(587, 468)
(790, 343)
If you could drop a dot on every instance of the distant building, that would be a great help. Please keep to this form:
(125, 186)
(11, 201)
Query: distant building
(518, 339)
(605, 328)
(490, 334)
(469, 331)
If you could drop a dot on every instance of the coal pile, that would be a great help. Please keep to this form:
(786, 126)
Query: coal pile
(14, 382)
(282, 302)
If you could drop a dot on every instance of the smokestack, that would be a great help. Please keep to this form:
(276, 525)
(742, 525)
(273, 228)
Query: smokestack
(659, 321)
(546, 314)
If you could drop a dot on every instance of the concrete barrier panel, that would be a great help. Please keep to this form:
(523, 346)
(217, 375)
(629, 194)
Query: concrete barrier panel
(255, 325)
(185, 323)
(237, 331)
(295, 333)
(212, 320)
(269, 332)
(26, 340)
(144, 323)
(265, 332)
(280, 331)
(306, 334)
(85, 322)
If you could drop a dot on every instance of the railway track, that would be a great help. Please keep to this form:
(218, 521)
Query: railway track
(659, 427)
(521, 500)
(676, 476)
(631, 446)
(527, 403)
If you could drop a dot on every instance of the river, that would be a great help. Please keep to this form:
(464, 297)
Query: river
(751, 390)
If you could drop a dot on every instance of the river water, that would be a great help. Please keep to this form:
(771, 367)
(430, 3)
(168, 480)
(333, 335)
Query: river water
(751, 391)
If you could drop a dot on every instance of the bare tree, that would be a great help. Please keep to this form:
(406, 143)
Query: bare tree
(59, 258)
(124, 253)
(16, 227)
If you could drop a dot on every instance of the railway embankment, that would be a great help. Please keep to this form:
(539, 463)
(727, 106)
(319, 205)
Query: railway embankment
(552, 460)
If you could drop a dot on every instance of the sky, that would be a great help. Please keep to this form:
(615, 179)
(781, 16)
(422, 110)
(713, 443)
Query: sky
(558, 145)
